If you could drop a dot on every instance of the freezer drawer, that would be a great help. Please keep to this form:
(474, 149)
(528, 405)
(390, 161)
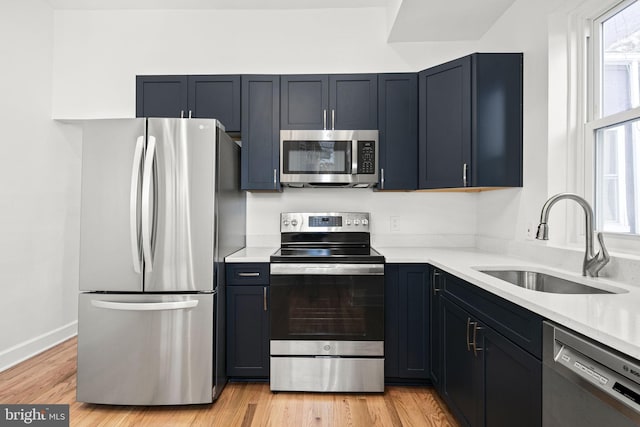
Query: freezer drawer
(152, 349)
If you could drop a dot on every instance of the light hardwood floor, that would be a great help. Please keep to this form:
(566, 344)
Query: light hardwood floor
(50, 378)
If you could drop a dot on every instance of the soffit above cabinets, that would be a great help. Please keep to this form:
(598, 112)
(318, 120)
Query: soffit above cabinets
(408, 20)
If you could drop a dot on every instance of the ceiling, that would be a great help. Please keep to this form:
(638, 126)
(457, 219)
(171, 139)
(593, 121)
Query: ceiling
(410, 20)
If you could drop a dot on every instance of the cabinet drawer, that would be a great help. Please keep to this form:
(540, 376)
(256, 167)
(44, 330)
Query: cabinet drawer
(514, 322)
(248, 274)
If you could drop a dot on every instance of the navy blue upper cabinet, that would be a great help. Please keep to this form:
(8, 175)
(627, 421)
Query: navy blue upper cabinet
(215, 97)
(348, 101)
(398, 133)
(161, 96)
(260, 132)
(470, 122)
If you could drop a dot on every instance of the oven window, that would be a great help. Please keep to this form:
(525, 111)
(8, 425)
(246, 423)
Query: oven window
(317, 157)
(327, 307)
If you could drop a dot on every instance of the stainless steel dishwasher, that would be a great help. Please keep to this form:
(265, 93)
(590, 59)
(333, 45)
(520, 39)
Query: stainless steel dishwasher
(586, 384)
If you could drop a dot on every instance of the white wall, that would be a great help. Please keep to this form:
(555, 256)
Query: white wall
(39, 190)
(98, 53)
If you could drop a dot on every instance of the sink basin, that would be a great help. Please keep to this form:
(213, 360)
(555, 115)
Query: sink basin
(542, 282)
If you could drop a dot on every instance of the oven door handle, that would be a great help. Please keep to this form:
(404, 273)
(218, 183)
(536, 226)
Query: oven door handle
(335, 269)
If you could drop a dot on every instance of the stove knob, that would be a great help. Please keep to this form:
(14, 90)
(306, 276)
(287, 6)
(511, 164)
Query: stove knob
(356, 222)
(285, 222)
(294, 222)
(365, 221)
(348, 222)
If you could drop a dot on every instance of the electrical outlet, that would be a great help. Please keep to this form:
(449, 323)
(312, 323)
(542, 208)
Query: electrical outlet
(530, 230)
(395, 223)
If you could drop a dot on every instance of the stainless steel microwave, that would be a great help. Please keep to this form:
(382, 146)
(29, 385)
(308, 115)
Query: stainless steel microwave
(329, 158)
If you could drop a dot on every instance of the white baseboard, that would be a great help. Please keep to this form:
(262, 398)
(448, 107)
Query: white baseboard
(25, 350)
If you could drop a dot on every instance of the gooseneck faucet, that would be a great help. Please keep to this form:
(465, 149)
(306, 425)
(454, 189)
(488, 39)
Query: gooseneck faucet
(592, 263)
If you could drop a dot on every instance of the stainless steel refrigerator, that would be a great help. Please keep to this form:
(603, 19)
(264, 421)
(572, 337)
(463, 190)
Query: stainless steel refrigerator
(161, 207)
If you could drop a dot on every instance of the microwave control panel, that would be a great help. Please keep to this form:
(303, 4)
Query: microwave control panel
(366, 157)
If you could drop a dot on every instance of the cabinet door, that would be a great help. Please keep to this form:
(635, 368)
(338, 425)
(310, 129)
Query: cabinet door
(413, 331)
(445, 125)
(398, 133)
(435, 328)
(161, 96)
(305, 101)
(463, 370)
(216, 97)
(260, 132)
(247, 331)
(406, 339)
(353, 101)
(497, 120)
(513, 383)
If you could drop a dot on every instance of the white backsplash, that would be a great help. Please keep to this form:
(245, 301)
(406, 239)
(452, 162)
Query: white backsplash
(397, 218)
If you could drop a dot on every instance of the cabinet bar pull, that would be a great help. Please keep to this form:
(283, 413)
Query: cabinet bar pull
(264, 298)
(333, 119)
(182, 114)
(464, 175)
(249, 274)
(382, 178)
(324, 119)
(476, 349)
(435, 288)
(189, 113)
(275, 178)
(469, 322)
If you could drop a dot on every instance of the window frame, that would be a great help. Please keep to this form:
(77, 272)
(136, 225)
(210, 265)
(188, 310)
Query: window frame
(590, 53)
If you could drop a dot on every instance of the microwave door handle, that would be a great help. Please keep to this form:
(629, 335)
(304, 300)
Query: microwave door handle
(354, 157)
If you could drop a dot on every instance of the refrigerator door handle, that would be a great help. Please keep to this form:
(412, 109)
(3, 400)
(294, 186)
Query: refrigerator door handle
(144, 306)
(147, 203)
(134, 232)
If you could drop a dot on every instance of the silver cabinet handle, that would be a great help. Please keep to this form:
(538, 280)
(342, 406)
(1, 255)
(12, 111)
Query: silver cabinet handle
(275, 178)
(476, 349)
(324, 119)
(189, 113)
(435, 287)
(144, 306)
(133, 205)
(264, 298)
(333, 119)
(182, 114)
(464, 175)
(249, 274)
(147, 203)
(469, 323)
(382, 178)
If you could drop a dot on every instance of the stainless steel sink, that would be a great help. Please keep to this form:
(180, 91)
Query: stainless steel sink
(542, 282)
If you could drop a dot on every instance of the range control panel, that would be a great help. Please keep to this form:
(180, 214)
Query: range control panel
(325, 221)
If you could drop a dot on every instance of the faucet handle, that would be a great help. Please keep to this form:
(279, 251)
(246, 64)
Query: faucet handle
(600, 259)
(603, 254)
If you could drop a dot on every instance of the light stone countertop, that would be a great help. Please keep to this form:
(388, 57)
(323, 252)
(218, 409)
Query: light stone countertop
(612, 319)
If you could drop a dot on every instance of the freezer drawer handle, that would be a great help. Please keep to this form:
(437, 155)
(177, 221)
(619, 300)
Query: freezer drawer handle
(144, 306)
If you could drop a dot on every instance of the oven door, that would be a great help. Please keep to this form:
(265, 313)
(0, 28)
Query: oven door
(327, 302)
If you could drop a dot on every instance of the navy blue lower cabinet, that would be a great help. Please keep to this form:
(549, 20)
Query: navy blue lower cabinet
(487, 376)
(407, 290)
(462, 387)
(248, 332)
(513, 383)
(435, 328)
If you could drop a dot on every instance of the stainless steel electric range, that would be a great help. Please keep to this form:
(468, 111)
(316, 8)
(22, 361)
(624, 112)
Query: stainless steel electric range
(327, 305)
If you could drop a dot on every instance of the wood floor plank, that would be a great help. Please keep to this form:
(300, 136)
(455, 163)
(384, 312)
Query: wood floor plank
(50, 378)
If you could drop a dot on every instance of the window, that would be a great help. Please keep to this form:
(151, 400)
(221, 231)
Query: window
(614, 120)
